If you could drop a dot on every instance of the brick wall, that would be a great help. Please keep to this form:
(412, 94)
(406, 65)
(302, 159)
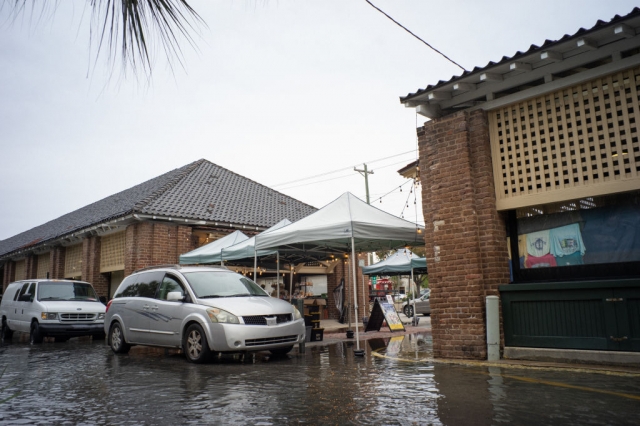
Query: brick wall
(56, 260)
(31, 266)
(9, 274)
(149, 244)
(91, 265)
(465, 236)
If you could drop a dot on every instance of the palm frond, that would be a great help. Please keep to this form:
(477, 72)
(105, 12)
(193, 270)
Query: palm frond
(129, 30)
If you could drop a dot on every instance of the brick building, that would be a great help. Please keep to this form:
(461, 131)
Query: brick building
(541, 147)
(149, 224)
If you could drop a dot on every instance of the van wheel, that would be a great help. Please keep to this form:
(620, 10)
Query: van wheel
(35, 336)
(116, 340)
(195, 345)
(6, 333)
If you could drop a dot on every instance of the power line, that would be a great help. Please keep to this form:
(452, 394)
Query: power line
(330, 179)
(407, 30)
(340, 170)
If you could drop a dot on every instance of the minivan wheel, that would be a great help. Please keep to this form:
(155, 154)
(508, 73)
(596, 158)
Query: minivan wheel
(195, 345)
(281, 351)
(35, 336)
(116, 340)
(6, 333)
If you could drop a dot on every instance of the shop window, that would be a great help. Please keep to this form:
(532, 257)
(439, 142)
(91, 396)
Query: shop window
(586, 238)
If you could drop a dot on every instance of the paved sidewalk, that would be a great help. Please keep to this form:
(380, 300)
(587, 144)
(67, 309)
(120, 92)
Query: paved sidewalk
(335, 332)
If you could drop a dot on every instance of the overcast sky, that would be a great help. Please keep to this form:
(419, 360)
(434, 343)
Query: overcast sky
(277, 91)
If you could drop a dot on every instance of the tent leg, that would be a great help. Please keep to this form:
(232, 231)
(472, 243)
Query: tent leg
(358, 351)
(255, 266)
(278, 274)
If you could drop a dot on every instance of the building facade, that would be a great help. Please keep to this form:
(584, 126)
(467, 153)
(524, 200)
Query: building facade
(530, 173)
(152, 223)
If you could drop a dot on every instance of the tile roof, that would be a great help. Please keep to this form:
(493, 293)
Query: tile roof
(199, 191)
(548, 44)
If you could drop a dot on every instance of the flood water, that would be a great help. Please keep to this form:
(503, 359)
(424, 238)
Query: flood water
(83, 382)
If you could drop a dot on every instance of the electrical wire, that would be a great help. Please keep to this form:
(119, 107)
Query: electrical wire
(407, 30)
(340, 170)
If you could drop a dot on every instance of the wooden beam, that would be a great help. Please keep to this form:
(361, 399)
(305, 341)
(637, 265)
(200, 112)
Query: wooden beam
(585, 43)
(624, 31)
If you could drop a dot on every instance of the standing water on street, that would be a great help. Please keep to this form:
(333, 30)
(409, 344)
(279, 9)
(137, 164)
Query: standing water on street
(396, 382)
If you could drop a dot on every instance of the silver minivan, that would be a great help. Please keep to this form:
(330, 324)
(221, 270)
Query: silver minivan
(202, 310)
(51, 308)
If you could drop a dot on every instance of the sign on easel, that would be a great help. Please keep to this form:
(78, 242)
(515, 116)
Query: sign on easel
(384, 312)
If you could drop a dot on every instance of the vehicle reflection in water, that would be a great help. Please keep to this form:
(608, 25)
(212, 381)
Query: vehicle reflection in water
(81, 381)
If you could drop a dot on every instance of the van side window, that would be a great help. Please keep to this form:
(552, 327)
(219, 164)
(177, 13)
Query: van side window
(169, 284)
(22, 291)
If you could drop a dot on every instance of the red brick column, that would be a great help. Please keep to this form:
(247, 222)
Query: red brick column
(465, 236)
(91, 249)
(31, 267)
(9, 274)
(56, 259)
(333, 280)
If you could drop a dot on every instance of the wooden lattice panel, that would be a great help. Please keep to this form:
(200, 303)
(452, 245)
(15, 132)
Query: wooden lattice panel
(73, 261)
(112, 252)
(574, 143)
(43, 265)
(20, 270)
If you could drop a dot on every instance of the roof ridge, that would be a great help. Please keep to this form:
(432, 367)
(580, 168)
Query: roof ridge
(172, 183)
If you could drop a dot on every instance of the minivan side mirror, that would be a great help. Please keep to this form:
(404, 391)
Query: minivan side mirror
(175, 296)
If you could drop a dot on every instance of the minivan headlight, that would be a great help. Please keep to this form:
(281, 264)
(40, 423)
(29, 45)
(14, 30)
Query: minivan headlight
(101, 315)
(218, 315)
(49, 315)
(296, 314)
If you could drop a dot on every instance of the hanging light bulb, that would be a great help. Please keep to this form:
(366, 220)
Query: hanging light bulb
(400, 189)
(380, 200)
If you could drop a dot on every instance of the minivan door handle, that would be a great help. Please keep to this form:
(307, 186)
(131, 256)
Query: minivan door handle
(145, 307)
(154, 307)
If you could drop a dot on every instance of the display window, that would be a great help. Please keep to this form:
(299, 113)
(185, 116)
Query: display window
(583, 236)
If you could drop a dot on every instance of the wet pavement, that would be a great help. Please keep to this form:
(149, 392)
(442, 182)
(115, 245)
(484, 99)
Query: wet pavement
(396, 382)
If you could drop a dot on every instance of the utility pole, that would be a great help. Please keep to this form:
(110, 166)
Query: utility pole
(366, 174)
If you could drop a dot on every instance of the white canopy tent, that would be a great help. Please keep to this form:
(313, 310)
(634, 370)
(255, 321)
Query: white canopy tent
(211, 253)
(247, 249)
(346, 224)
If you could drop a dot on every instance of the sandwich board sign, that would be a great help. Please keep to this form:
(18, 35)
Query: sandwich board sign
(384, 311)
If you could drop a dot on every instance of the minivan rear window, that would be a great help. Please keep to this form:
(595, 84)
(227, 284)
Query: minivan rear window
(144, 284)
(210, 284)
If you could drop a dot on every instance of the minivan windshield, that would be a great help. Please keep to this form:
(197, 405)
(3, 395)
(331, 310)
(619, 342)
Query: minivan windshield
(211, 284)
(66, 290)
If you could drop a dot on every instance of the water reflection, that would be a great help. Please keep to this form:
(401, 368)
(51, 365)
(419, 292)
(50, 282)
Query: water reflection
(83, 382)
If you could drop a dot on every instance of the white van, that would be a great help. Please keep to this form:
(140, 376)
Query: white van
(58, 308)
